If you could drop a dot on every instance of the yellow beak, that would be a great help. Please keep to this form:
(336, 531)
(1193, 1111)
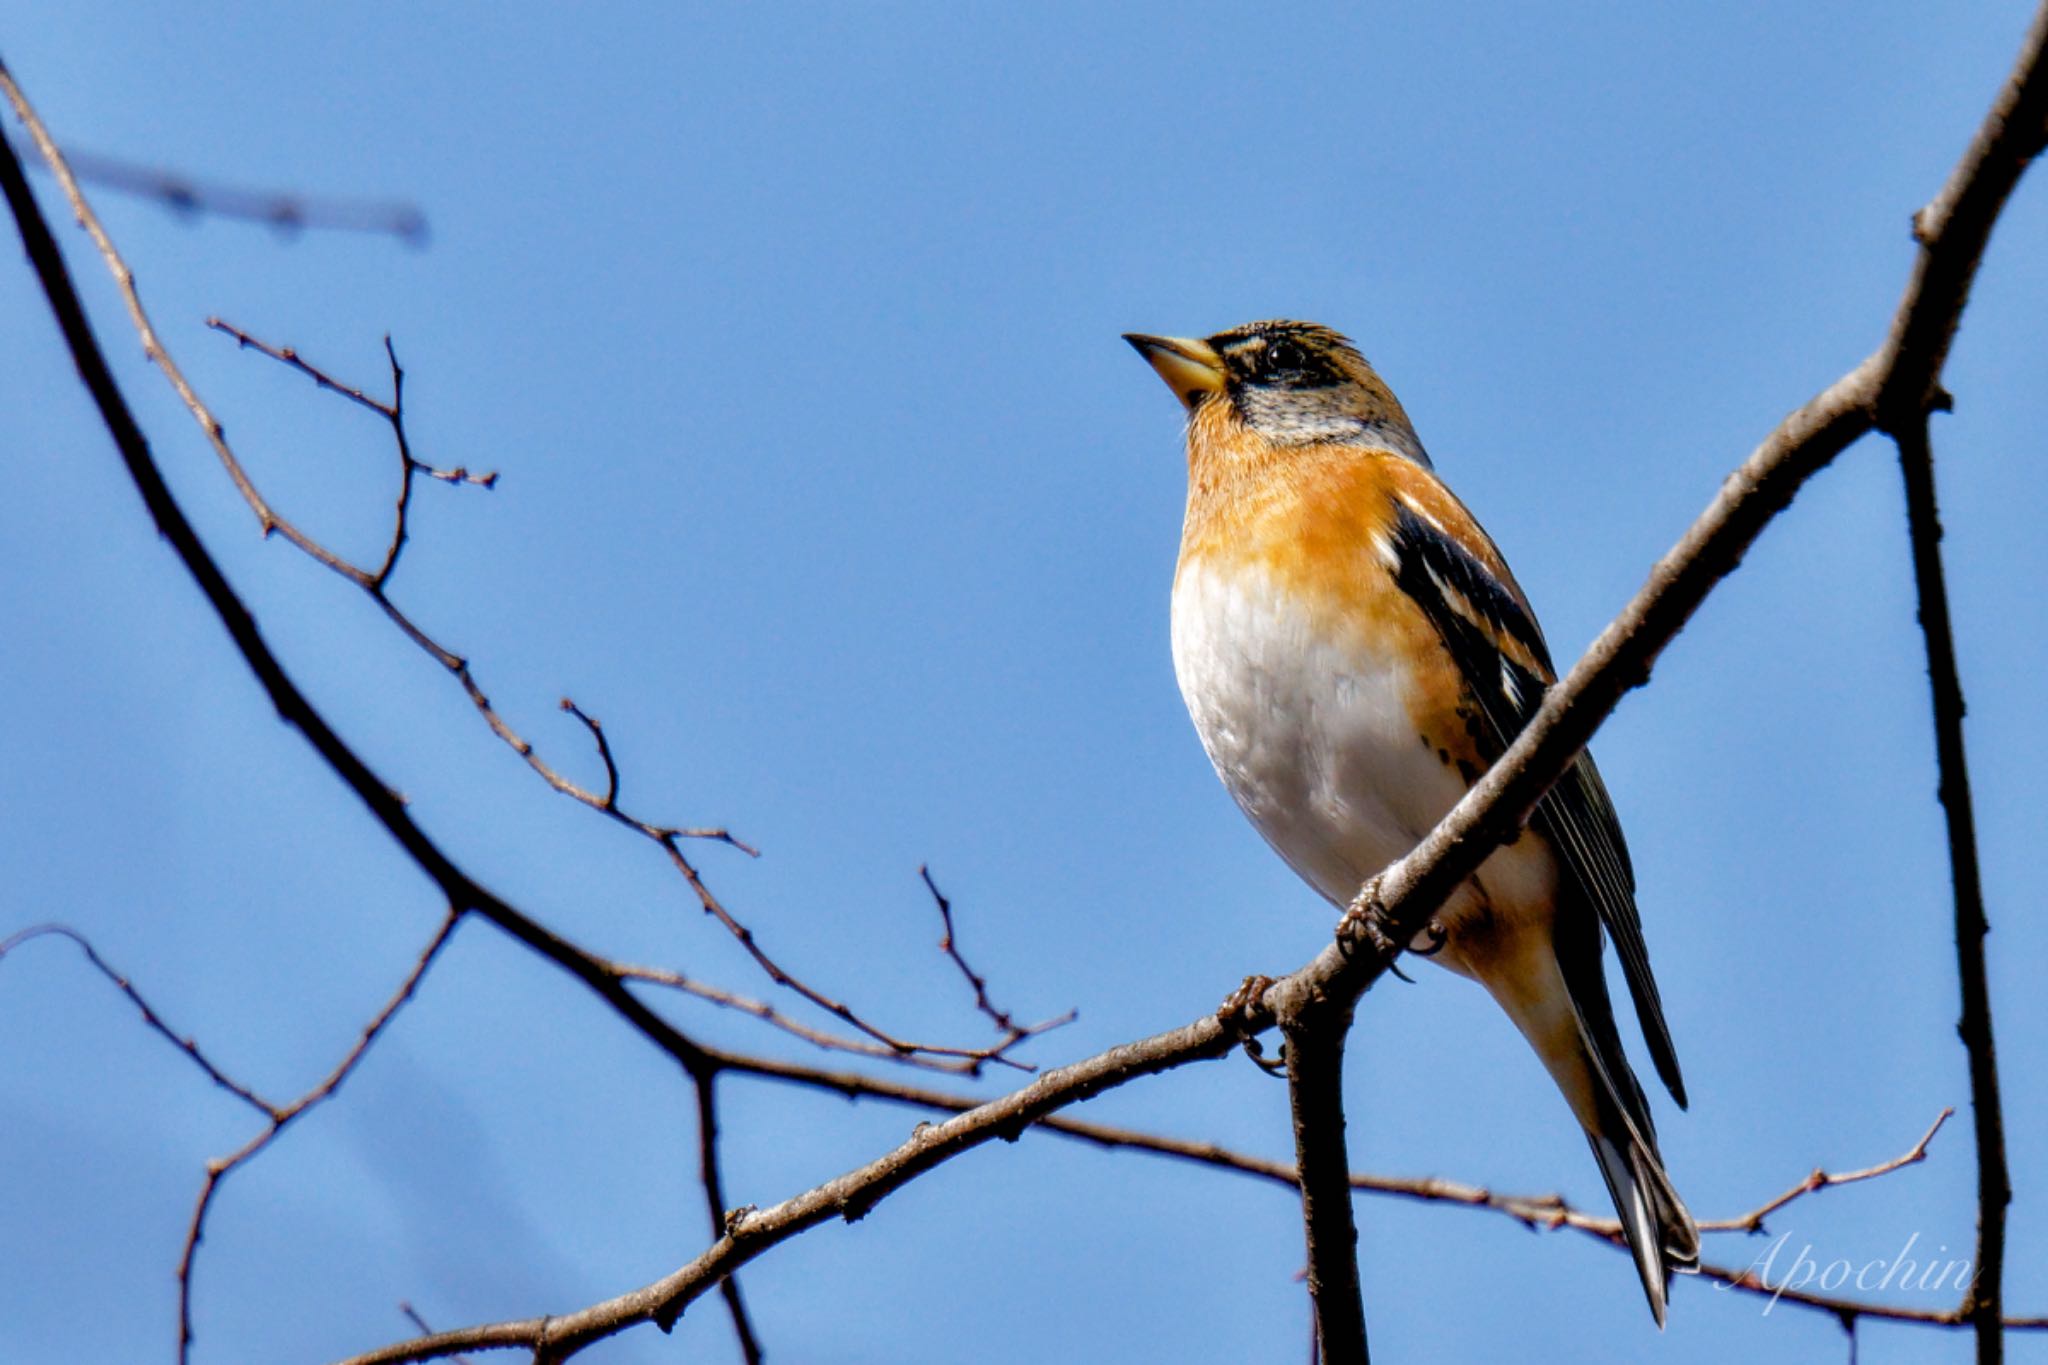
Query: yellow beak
(1192, 369)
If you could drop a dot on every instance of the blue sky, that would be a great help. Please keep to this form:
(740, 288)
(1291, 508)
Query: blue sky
(829, 487)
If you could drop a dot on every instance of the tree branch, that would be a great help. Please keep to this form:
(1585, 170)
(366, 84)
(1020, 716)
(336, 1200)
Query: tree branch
(850, 1196)
(1315, 1093)
(155, 1021)
(1984, 1303)
(709, 1175)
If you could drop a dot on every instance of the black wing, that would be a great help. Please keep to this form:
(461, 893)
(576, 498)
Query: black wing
(1475, 614)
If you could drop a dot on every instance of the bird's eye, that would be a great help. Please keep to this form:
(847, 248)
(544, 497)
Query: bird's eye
(1284, 355)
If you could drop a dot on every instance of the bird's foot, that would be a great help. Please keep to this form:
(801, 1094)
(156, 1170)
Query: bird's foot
(1243, 1007)
(1365, 919)
(1244, 1013)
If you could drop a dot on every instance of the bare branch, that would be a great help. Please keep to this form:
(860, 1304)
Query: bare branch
(563, 1337)
(949, 943)
(609, 803)
(1535, 1211)
(1984, 1305)
(1753, 1221)
(774, 1018)
(1315, 1029)
(373, 581)
(184, 1043)
(710, 1177)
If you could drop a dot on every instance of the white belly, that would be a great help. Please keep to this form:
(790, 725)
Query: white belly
(1316, 741)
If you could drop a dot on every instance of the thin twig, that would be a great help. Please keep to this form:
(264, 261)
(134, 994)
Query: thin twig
(376, 581)
(183, 1042)
(949, 943)
(1753, 1221)
(968, 1060)
(1984, 1304)
(774, 1018)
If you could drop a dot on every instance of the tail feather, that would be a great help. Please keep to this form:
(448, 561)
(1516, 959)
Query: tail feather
(1560, 1003)
(1660, 1230)
(1661, 1233)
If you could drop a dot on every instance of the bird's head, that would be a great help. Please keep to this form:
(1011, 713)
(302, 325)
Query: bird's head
(1291, 383)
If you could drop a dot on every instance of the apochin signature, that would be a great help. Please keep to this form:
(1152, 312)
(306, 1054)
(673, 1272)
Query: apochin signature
(1902, 1270)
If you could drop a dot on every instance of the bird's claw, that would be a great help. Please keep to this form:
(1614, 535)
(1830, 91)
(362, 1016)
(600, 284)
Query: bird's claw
(1437, 935)
(1272, 1066)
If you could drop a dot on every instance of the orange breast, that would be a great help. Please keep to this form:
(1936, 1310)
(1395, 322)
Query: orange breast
(1317, 521)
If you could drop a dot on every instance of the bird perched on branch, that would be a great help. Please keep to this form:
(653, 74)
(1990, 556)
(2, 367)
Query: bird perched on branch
(1355, 653)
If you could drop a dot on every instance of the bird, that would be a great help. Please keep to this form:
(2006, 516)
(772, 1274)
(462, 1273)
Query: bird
(1354, 654)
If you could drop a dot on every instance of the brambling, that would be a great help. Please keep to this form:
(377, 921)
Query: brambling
(1355, 653)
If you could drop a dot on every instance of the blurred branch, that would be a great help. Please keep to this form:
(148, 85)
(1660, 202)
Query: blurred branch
(287, 212)
(1984, 1303)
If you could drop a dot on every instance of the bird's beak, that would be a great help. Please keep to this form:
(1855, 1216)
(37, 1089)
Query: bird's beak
(1192, 369)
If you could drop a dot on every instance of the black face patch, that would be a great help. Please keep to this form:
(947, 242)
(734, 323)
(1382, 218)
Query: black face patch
(1278, 360)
